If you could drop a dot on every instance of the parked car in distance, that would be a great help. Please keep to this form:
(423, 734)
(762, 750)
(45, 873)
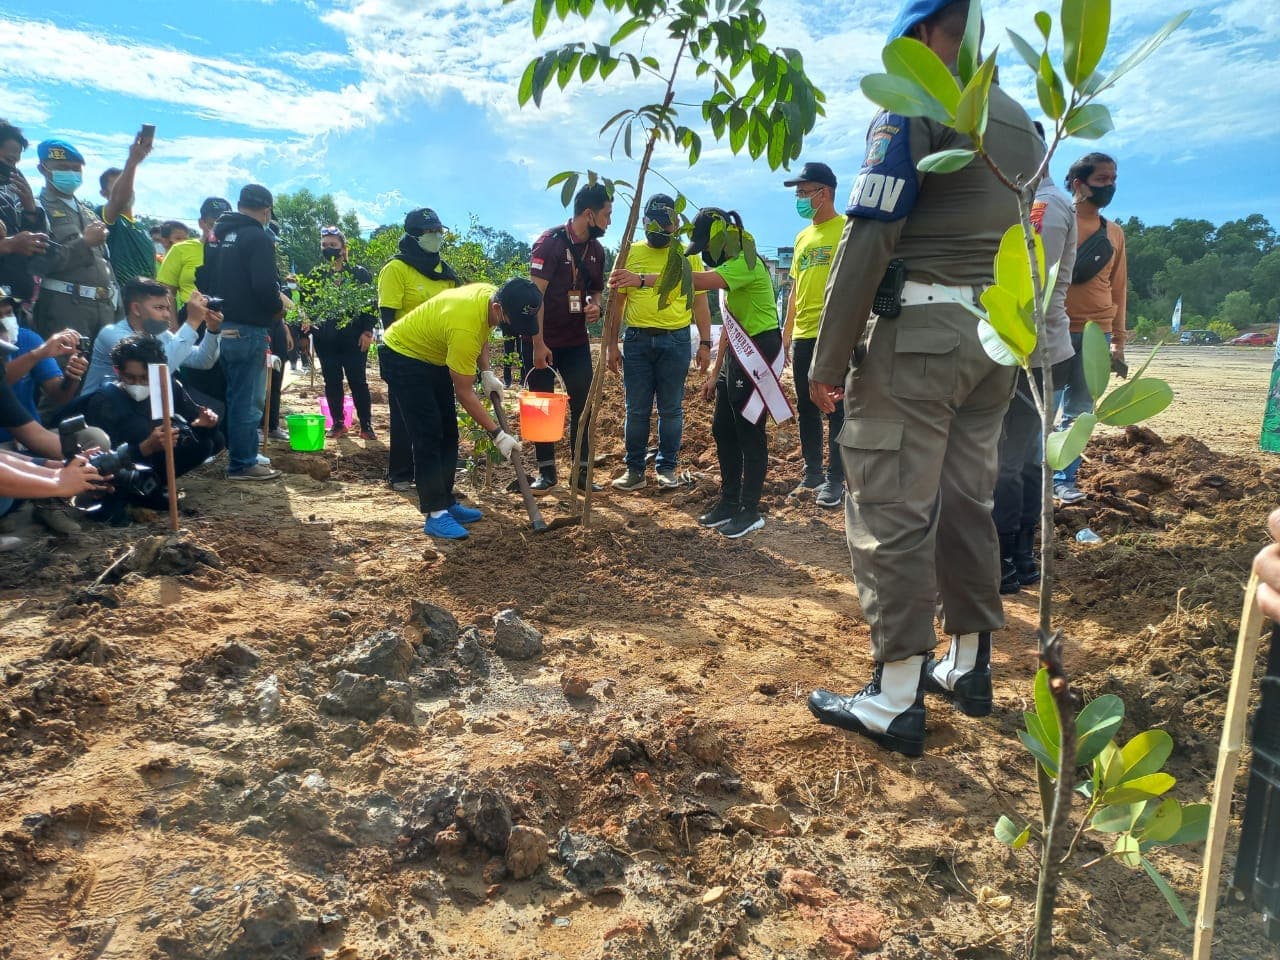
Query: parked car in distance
(1253, 340)
(1199, 338)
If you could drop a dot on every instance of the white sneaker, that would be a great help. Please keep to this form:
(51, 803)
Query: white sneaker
(256, 472)
(1068, 493)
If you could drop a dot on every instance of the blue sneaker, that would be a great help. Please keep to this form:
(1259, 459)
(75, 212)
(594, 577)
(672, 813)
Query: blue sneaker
(464, 514)
(444, 527)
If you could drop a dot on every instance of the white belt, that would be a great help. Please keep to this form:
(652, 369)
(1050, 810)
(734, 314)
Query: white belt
(916, 294)
(79, 290)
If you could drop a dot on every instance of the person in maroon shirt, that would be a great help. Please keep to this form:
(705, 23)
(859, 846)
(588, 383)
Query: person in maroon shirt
(567, 265)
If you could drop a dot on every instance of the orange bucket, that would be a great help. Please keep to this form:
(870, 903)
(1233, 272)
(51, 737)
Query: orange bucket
(542, 414)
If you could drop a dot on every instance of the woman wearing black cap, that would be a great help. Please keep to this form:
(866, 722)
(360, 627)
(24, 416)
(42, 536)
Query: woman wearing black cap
(745, 385)
(412, 277)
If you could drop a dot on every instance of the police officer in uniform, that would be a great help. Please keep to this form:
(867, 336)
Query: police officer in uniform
(78, 291)
(923, 403)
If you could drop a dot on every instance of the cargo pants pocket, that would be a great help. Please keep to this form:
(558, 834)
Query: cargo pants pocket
(924, 363)
(872, 454)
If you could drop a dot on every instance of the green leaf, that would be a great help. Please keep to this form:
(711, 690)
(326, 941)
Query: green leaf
(1096, 356)
(902, 96)
(749, 251)
(628, 28)
(1097, 723)
(1194, 826)
(946, 161)
(1026, 51)
(971, 112)
(1142, 788)
(612, 120)
(971, 45)
(1063, 446)
(1134, 402)
(1172, 898)
(587, 67)
(1108, 767)
(1118, 818)
(1147, 48)
(1163, 822)
(1127, 851)
(910, 59)
(1044, 23)
(1089, 122)
(559, 178)
(1146, 753)
(1007, 317)
(568, 190)
(526, 82)
(1053, 100)
(541, 14)
(1085, 24)
(542, 74)
(1036, 740)
(1007, 832)
(670, 277)
(626, 139)
(1046, 709)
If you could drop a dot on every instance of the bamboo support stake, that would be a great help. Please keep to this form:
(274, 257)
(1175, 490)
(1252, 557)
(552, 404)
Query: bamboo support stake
(1233, 727)
(166, 407)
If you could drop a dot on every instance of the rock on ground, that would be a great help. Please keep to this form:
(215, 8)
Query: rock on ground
(588, 862)
(383, 654)
(438, 626)
(367, 698)
(526, 851)
(514, 638)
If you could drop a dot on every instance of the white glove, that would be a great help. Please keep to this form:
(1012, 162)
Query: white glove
(490, 383)
(507, 445)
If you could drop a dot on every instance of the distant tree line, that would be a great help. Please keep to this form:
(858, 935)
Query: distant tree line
(1228, 277)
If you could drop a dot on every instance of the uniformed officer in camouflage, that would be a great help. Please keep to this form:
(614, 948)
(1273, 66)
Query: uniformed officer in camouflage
(78, 291)
(923, 403)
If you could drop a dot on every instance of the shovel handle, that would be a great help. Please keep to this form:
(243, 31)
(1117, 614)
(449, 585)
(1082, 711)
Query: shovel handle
(522, 481)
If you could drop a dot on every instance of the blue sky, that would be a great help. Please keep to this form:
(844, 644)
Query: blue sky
(392, 104)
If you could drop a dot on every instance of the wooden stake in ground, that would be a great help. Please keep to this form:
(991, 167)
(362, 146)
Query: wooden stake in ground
(166, 411)
(266, 402)
(1233, 725)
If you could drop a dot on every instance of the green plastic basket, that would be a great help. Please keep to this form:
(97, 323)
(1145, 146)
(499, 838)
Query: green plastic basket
(306, 431)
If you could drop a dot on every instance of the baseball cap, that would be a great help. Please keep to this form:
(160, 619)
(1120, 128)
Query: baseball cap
(913, 12)
(660, 209)
(520, 299)
(58, 150)
(256, 197)
(422, 220)
(701, 235)
(813, 173)
(213, 208)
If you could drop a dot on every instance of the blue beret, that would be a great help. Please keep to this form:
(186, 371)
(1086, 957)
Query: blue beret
(58, 150)
(913, 12)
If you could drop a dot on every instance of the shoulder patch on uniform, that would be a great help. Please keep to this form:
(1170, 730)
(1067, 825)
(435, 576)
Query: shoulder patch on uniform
(887, 185)
(1037, 215)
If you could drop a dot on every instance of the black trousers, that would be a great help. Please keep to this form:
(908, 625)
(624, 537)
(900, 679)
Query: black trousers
(276, 385)
(422, 394)
(337, 361)
(810, 418)
(1017, 494)
(742, 447)
(574, 366)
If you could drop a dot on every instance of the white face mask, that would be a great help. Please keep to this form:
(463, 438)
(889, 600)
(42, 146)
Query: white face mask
(431, 242)
(137, 391)
(10, 326)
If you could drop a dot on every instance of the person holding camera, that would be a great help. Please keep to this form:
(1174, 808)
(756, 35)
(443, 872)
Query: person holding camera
(240, 268)
(25, 235)
(34, 369)
(149, 311)
(123, 409)
(128, 243)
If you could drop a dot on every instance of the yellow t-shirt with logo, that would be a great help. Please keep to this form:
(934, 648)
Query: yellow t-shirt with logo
(815, 249)
(181, 262)
(449, 330)
(642, 304)
(403, 288)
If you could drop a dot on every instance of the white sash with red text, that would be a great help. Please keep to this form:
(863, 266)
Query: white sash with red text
(768, 393)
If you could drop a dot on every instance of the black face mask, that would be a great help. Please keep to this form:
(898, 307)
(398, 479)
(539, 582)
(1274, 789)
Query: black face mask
(6, 173)
(658, 238)
(711, 261)
(1101, 196)
(330, 254)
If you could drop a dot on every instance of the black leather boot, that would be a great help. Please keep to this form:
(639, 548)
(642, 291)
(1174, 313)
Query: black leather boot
(1009, 579)
(1024, 557)
(963, 676)
(889, 710)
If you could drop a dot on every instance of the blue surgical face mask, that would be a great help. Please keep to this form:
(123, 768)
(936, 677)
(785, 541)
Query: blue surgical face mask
(804, 207)
(67, 181)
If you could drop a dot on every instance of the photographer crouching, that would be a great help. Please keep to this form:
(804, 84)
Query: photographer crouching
(123, 410)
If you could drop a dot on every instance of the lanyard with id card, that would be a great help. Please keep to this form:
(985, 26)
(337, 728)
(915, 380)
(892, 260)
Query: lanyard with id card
(579, 271)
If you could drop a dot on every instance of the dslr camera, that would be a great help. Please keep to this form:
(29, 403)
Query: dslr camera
(134, 479)
(214, 304)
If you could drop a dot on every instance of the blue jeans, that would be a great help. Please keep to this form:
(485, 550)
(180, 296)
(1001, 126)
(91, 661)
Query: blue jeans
(243, 359)
(1073, 398)
(654, 365)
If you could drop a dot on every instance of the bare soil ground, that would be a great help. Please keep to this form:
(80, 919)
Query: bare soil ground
(295, 731)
